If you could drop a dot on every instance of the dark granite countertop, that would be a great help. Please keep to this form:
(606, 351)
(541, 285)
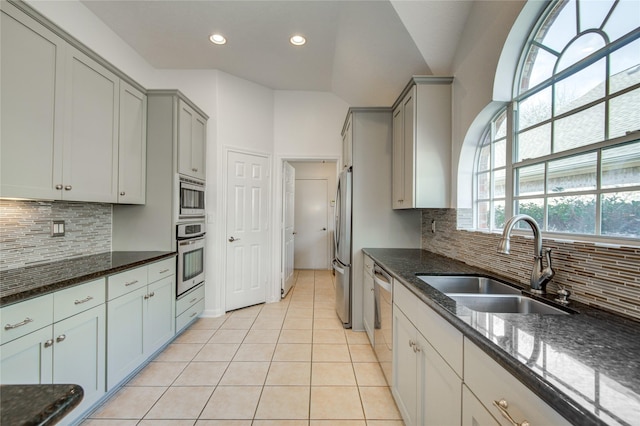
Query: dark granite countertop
(585, 365)
(37, 404)
(21, 284)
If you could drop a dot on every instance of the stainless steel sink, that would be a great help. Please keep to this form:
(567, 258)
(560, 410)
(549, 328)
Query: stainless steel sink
(505, 304)
(467, 284)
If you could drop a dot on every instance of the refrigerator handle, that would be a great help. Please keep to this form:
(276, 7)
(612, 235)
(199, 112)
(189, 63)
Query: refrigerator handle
(337, 268)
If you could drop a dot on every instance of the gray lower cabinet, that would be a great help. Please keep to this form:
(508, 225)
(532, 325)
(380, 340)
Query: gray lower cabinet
(70, 348)
(188, 307)
(140, 317)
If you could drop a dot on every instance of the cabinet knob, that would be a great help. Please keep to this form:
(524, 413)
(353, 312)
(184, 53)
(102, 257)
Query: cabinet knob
(401, 201)
(194, 169)
(122, 194)
(58, 186)
(61, 338)
(503, 405)
(48, 343)
(68, 188)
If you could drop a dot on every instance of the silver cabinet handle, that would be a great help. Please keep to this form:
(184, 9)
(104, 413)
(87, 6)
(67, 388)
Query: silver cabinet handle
(85, 300)
(48, 343)
(193, 315)
(26, 321)
(149, 295)
(130, 283)
(503, 405)
(411, 343)
(164, 271)
(193, 300)
(153, 293)
(231, 239)
(146, 296)
(194, 169)
(122, 194)
(58, 186)
(68, 188)
(401, 201)
(61, 338)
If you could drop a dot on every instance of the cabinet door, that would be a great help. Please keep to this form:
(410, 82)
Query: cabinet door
(90, 163)
(79, 351)
(28, 359)
(409, 124)
(124, 335)
(347, 145)
(369, 309)
(404, 367)
(439, 388)
(397, 172)
(159, 320)
(132, 146)
(31, 92)
(473, 412)
(191, 142)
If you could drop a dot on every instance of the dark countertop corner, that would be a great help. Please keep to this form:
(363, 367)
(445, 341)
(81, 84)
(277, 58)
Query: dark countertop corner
(37, 404)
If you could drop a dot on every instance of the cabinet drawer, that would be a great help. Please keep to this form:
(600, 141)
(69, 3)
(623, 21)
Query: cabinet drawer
(162, 269)
(490, 382)
(125, 282)
(368, 265)
(24, 317)
(186, 301)
(443, 336)
(77, 299)
(189, 315)
(405, 300)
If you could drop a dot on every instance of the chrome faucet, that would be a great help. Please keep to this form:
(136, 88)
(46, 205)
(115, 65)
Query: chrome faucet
(540, 276)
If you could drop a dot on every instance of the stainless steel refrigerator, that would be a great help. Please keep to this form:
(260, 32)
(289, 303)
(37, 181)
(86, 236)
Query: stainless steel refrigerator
(342, 241)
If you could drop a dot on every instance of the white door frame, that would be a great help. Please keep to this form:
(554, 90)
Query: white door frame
(222, 243)
(278, 218)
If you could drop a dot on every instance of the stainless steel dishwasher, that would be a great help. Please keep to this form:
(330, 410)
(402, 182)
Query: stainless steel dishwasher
(383, 337)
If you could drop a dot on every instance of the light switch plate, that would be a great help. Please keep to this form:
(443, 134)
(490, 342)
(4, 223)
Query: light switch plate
(57, 228)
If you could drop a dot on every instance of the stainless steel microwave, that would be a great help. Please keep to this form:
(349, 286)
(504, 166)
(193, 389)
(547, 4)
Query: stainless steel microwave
(190, 198)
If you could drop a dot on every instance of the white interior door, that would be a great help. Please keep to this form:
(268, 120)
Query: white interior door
(311, 213)
(288, 216)
(247, 224)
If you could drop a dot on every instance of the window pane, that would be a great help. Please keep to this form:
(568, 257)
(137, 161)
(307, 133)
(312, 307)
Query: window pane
(560, 26)
(621, 214)
(579, 49)
(581, 88)
(501, 126)
(483, 215)
(574, 214)
(621, 166)
(572, 174)
(484, 161)
(592, 13)
(579, 129)
(538, 67)
(534, 143)
(534, 109)
(534, 208)
(530, 180)
(498, 214)
(499, 154)
(624, 113)
(499, 183)
(625, 67)
(624, 19)
(483, 186)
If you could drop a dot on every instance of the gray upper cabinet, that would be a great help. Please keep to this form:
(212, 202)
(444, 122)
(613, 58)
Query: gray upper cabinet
(132, 153)
(90, 159)
(32, 81)
(422, 144)
(191, 141)
(347, 144)
(66, 132)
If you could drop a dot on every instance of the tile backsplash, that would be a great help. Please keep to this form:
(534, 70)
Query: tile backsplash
(600, 275)
(25, 231)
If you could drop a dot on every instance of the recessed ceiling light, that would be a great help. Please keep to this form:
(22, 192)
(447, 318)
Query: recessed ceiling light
(297, 40)
(217, 39)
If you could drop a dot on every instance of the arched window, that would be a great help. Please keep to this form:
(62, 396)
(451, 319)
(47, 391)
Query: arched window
(571, 135)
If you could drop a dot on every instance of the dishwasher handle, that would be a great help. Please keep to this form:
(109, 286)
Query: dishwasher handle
(382, 279)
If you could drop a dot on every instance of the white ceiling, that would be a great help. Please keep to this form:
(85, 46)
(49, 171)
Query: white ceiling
(363, 51)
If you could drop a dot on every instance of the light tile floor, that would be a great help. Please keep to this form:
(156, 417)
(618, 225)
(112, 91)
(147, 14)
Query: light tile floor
(289, 363)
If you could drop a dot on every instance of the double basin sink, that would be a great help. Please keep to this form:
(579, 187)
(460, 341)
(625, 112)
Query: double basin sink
(484, 294)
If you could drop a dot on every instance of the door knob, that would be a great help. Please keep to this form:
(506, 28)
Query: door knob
(324, 229)
(231, 239)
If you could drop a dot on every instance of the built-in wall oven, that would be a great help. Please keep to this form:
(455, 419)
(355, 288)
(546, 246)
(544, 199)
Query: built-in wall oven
(190, 242)
(190, 198)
